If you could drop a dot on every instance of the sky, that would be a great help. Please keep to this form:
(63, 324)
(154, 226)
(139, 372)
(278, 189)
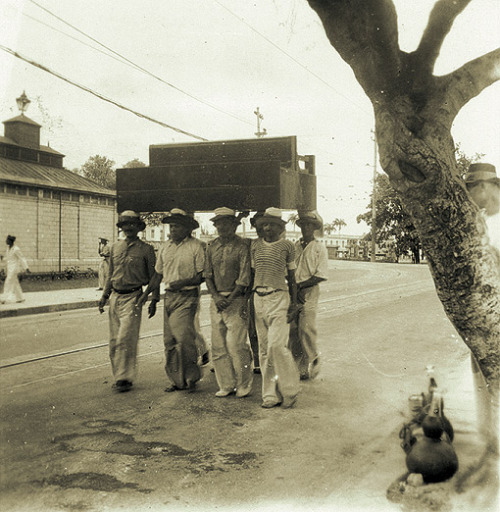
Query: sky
(222, 59)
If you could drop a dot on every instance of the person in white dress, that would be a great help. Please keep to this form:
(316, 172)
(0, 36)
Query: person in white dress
(16, 264)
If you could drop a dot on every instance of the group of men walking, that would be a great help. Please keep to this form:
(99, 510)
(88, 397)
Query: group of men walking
(263, 309)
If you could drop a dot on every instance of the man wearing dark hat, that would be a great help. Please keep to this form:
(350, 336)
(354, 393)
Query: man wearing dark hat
(483, 186)
(131, 266)
(180, 265)
(227, 274)
(273, 260)
(311, 258)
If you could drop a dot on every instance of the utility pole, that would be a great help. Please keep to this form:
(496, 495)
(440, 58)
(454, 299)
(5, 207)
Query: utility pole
(260, 117)
(374, 202)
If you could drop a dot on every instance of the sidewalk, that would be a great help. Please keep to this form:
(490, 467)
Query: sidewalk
(59, 300)
(51, 301)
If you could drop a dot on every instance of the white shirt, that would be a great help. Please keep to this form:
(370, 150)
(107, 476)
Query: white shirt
(311, 261)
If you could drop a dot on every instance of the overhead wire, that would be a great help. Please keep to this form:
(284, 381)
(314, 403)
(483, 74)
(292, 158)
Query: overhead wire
(271, 42)
(138, 67)
(98, 95)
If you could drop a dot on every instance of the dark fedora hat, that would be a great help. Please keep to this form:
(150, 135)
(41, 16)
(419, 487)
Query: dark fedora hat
(178, 216)
(481, 172)
(131, 217)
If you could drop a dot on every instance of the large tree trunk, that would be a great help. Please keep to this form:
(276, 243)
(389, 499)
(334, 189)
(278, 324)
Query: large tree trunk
(414, 111)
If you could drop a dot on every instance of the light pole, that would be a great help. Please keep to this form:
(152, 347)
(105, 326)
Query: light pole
(260, 117)
(374, 213)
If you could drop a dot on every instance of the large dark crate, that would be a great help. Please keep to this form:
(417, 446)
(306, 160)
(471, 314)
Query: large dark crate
(242, 174)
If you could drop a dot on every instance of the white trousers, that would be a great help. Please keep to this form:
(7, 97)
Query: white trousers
(231, 353)
(280, 376)
(124, 327)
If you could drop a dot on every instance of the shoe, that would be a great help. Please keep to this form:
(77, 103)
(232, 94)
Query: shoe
(269, 404)
(224, 392)
(205, 359)
(288, 402)
(243, 392)
(314, 368)
(171, 388)
(304, 376)
(122, 386)
(256, 370)
(191, 386)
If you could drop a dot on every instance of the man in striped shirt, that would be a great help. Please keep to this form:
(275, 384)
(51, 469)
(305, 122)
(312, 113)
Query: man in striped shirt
(273, 260)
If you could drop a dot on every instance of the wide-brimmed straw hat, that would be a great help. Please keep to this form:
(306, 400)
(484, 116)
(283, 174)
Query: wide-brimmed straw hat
(131, 217)
(312, 217)
(481, 172)
(271, 215)
(178, 216)
(224, 213)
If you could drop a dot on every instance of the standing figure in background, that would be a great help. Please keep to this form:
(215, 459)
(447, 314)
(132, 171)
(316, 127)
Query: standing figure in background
(483, 186)
(131, 266)
(227, 274)
(311, 258)
(180, 265)
(104, 253)
(16, 264)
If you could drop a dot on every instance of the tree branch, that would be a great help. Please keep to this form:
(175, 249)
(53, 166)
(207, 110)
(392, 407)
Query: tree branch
(365, 34)
(468, 81)
(440, 22)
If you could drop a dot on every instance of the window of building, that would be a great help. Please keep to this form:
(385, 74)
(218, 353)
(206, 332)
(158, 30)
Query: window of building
(66, 196)
(86, 198)
(11, 189)
(56, 194)
(33, 192)
(47, 194)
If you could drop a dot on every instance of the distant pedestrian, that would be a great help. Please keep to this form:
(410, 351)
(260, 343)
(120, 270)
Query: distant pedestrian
(131, 266)
(273, 259)
(311, 258)
(104, 253)
(227, 274)
(16, 264)
(180, 265)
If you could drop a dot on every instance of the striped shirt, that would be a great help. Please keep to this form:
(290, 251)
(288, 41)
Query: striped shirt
(271, 261)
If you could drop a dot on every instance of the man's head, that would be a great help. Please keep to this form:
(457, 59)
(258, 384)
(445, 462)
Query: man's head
(253, 223)
(181, 224)
(10, 240)
(484, 187)
(225, 221)
(309, 222)
(271, 224)
(130, 223)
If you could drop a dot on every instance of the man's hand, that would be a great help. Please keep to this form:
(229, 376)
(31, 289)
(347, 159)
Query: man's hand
(141, 300)
(175, 285)
(293, 312)
(221, 302)
(152, 308)
(102, 303)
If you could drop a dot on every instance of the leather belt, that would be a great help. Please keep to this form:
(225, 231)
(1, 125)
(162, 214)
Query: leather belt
(263, 294)
(124, 292)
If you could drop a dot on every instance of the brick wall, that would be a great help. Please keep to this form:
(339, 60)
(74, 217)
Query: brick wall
(35, 223)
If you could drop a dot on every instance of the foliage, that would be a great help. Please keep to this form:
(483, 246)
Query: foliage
(336, 224)
(99, 169)
(392, 220)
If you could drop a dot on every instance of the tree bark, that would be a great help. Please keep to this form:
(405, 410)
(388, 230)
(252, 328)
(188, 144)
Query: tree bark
(414, 112)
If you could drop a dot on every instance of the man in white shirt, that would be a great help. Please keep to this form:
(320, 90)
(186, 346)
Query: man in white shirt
(311, 258)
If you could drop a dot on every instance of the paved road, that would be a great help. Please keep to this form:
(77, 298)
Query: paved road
(69, 443)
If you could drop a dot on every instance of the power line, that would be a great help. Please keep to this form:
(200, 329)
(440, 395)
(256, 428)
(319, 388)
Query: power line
(98, 95)
(137, 67)
(287, 54)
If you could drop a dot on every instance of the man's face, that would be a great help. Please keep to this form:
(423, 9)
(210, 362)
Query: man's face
(178, 232)
(486, 194)
(307, 229)
(130, 229)
(271, 231)
(225, 227)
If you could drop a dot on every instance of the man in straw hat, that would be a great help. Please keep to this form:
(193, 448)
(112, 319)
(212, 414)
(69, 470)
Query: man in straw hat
(227, 274)
(483, 186)
(180, 265)
(275, 300)
(311, 258)
(131, 266)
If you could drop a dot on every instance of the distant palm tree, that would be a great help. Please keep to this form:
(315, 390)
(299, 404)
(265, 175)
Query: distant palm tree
(339, 223)
(293, 218)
